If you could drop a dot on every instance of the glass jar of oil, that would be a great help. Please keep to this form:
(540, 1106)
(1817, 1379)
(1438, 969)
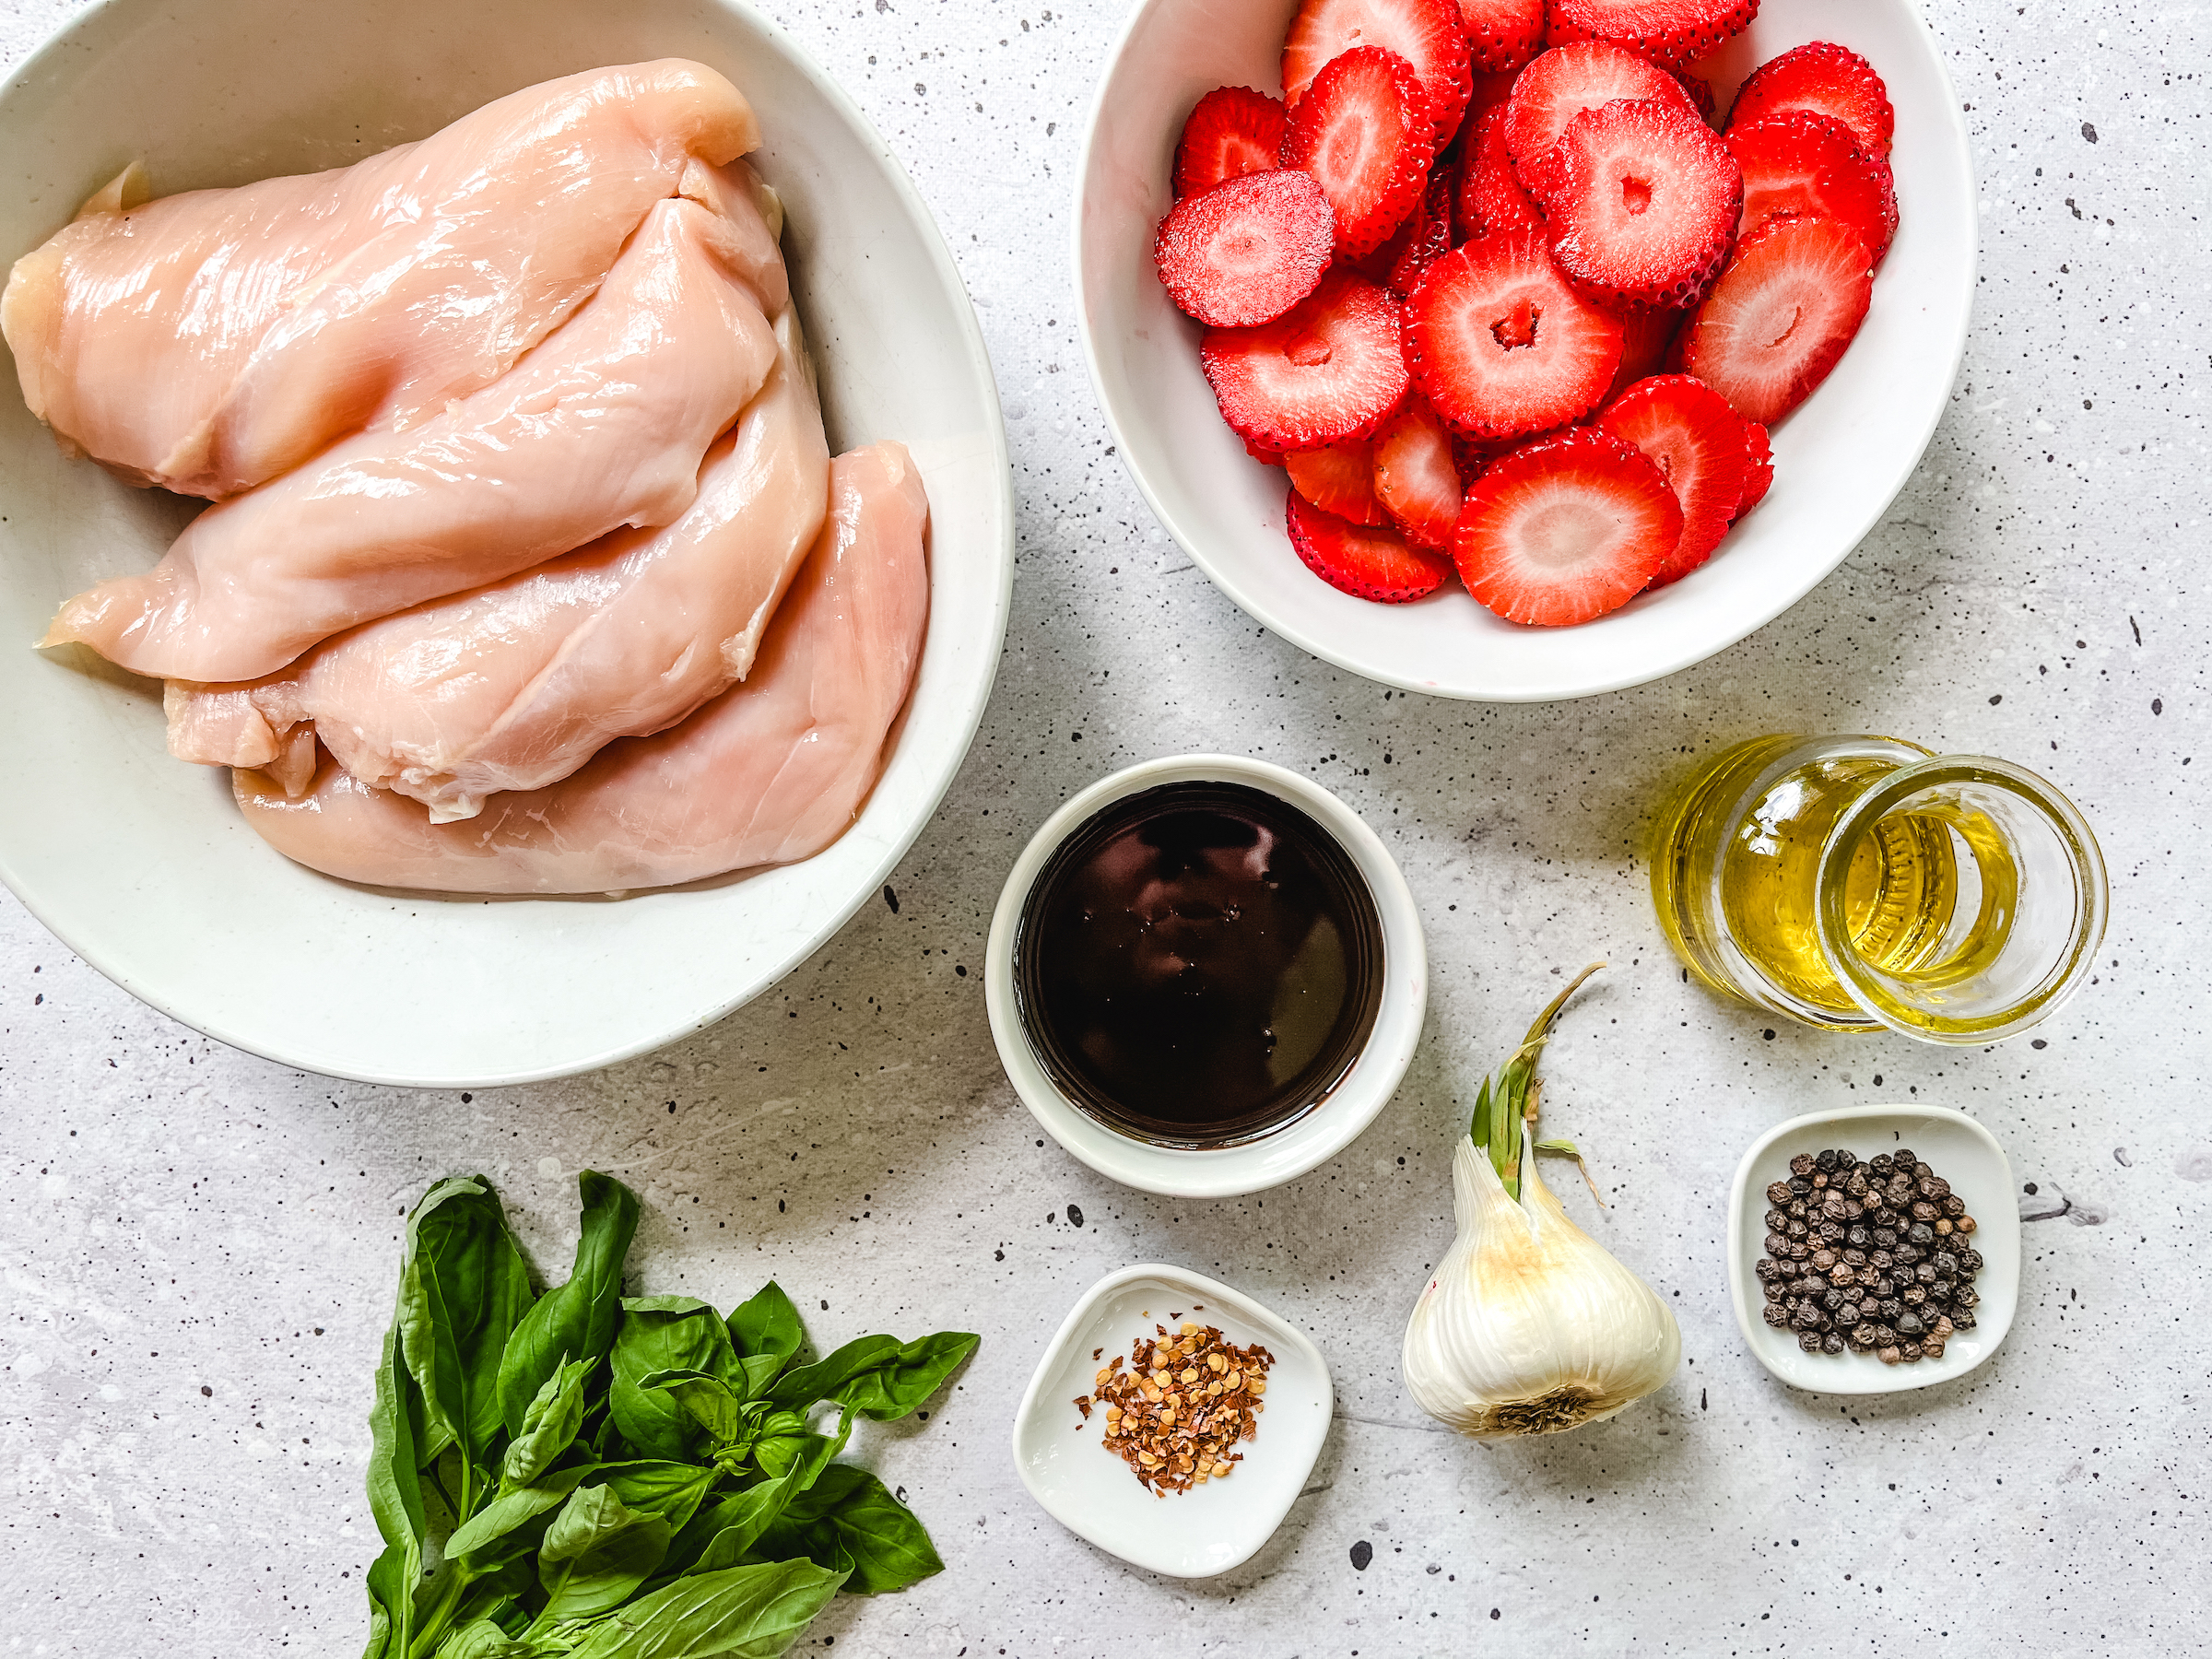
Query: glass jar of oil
(1859, 882)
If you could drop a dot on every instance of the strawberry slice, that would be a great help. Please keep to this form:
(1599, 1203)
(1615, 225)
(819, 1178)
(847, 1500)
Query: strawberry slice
(1645, 337)
(1759, 469)
(1232, 131)
(1339, 479)
(1426, 33)
(1502, 346)
(1779, 316)
(1641, 200)
(1491, 197)
(1491, 87)
(1563, 83)
(1566, 528)
(1366, 563)
(1671, 31)
(1810, 166)
(1247, 250)
(1502, 34)
(1428, 233)
(1827, 79)
(1362, 130)
(1698, 444)
(1701, 93)
(1329, 369)
(1415, 474)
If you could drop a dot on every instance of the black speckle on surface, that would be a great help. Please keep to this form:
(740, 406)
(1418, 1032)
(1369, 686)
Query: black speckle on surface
(890, 898)
(1362, 1553)
(2158, 705)
(2030, 1189)
(207, 1391)
(1494, 1612)
(1768, 1033)
(1075, 1215)
(961, 968)
(2038, 1042)
(1996, 700)
(2088, 132)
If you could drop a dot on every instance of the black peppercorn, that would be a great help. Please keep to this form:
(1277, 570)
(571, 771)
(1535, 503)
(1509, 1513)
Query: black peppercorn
(1775, 1244)
(1775, 1291)
(1914, 1295)
(1924, 1212)
(1801, 1185)
(1891, 1308)
(1925, 1273)
(1776, 1315)
(1911, 1353)
(1879, 1163)
(1776, 1219)
(1970, 1260)
(1810, 1341)
(1902, 1157)
(1831, 1342)
(1802, 1165)
(1884, 1335)
(1954, 1207)
(1768, 1268)
(1962, 1319)
(1908, 1324)
(1796, 1230)
(1884, 1236)
(1779, 1193)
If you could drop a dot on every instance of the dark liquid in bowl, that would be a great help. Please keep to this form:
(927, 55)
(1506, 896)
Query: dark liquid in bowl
(1199, 964)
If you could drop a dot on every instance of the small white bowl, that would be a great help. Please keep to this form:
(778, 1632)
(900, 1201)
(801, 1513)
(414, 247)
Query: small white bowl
(1838, 459)
(141, 863)
(1964, 1153)
(1092, 1492)
(1287, 1153)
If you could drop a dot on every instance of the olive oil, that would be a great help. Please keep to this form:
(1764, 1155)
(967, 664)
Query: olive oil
(1856, 882)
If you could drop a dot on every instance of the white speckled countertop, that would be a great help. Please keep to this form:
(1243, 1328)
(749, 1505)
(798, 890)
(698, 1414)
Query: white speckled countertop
(199, 1248)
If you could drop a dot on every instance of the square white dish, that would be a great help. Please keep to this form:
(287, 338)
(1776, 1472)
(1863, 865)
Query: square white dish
(142, 864)
(1090, 1491)
(1963, 1153)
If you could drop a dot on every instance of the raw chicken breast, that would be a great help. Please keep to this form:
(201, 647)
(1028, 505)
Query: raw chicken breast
(517, 685)
(602, 425)
(771, 771)
(208, 341)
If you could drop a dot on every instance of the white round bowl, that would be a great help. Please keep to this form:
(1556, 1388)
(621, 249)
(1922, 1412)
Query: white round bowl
(1838, 459)
(140, 862)
(1289, 1152)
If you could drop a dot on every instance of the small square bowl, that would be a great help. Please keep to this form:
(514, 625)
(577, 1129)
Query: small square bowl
(1964, 1153)
(1092, 1492)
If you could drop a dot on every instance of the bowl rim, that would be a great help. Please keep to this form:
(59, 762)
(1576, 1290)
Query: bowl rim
(2004, 1236)
(1283, 1155)
(1279, 1330)
(1874, 503)
(57, 51)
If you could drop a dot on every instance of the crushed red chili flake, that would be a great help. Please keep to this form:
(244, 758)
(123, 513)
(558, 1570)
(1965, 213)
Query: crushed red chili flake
(1176, 1415)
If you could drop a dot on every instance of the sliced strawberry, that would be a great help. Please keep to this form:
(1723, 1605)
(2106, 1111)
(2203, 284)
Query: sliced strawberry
(1366, 563)
(1502, 346)
(1502, 34)
(1246, 251)
(1700, 90)
(1698, 442)
(1645, 337)
(1565, 529)
(1262, 453)
(1362, 130)
(1806, 165)
(1339, 479)
(1329, 370)
(1563, 83)
(1232, 131)
(1827, 79)
(1671, 31)
(1779, 316)
(1417, 476)
(1426, 33)
(1491, 197)
(1428, 236)
(1641, 200)
(1758, 468)
(1492, 88)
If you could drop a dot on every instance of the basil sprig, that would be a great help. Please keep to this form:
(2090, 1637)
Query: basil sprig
(579, 1475)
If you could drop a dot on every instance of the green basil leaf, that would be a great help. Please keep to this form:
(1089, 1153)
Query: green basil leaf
(482, 1640)
(662, 1334)
(722, 1536)
(462, 1290)
(768, 1327)
(820, 1381)
(888, 1390)
(548, 1428)
(510, 1509)
(396, 1501)
(597, 1553)
(713, 1404)
(577, 1320)
(849, 1521)
(671, 1491)
(738, 1613)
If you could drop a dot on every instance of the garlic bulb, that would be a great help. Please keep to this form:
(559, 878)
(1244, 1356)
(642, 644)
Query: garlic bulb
(1528, 1326)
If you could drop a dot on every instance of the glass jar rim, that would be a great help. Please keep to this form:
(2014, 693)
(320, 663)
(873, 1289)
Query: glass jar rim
(1866, 986)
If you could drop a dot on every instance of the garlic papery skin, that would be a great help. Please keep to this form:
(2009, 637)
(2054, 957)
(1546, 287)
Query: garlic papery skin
(1529, 1325)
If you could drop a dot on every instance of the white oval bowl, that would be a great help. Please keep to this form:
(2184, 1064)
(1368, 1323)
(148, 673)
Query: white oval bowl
(1289, 1152)
(1838, 459)
(141, 865)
